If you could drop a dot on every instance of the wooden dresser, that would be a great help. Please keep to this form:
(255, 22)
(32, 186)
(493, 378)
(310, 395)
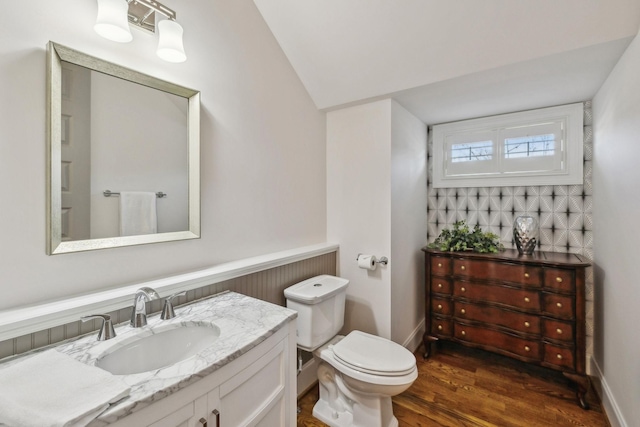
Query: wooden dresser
(528, 307)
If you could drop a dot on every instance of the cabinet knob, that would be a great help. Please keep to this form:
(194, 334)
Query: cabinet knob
(559, 279)
(559, 356)
(526, 275)
(559, 304)
(526, 299)
(439, 306)
(439, 327)
(463, 333)
(559, 331)
(439, 285)
(463, 267)
(463, 289)
(439, 264)
(527, 348)
(527, 324)
(463, 311)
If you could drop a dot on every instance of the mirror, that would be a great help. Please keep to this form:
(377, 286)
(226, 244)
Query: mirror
(123, 156)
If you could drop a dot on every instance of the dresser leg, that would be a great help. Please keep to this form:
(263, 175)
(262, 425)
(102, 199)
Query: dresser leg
(428, 340)
(583, 384)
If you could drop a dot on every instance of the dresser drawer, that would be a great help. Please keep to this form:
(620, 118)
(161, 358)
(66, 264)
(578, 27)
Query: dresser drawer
(441, 306)
(560, 306)
(440, 285)
(440, 266)
(557, 330)
(504, 272)
(559, 279)
(558, 356)
(498, 340)
(522, 322)
(506, 296)
(441, 327)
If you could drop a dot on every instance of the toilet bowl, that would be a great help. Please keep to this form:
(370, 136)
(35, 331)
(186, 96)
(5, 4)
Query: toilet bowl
(367, 371)
(358, 373)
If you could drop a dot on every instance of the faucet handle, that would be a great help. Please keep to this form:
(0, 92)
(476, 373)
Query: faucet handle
(167, 309)
(106, 330)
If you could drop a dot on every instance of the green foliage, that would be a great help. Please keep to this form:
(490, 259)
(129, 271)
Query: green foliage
(461, 238)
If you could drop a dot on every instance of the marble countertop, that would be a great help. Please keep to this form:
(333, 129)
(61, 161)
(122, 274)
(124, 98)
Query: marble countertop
(244, 323)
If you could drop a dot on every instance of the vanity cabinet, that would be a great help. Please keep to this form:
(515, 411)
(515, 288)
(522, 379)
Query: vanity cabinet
(256, 389)
(528, 307)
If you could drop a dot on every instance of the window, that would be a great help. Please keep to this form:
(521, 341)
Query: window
(538, 147)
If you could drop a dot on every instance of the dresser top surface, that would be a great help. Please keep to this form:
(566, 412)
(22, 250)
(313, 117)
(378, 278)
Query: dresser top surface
(512, 255)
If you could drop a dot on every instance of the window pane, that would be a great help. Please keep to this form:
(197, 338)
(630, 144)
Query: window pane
(529, 146)
(472, 152)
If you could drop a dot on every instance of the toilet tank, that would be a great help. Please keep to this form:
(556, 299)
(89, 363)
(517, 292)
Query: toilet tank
(319, 302)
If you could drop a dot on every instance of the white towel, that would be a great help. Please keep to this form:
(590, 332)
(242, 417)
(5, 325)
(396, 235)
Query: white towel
(53, 389)
(138, 213)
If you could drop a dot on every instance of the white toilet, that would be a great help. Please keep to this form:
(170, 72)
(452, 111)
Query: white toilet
(358, 373)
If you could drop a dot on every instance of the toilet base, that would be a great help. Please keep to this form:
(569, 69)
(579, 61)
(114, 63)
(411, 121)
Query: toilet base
(323, 412)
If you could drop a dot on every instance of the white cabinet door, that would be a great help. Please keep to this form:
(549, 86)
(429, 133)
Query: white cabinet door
(256, 393)
(193, 414)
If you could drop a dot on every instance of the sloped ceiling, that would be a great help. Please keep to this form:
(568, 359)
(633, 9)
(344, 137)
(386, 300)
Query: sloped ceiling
(450, 60)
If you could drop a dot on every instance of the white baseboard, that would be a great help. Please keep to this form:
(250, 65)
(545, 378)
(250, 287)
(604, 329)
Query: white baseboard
(611, 408)
(415, 339)
(308, 377)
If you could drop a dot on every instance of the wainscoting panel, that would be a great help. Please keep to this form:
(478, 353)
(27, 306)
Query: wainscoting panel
(267, 285)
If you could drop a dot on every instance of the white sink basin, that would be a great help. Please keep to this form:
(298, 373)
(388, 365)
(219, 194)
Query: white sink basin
(163, 348)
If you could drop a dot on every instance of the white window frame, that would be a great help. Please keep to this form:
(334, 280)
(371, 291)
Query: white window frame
(565, 120)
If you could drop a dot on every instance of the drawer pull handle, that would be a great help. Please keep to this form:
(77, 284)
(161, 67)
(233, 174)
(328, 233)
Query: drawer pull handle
(527, 348)
(559, 304)
(217, 415)
(439, 264)
(439, 327)
(463, 333)
(526, 275)
(203, 422)
(526, 299)
(559, 331)
(527, 324)
(463, 289)
(439, 306)
(463, 311)
(463, 268)
(439, 285)
(559, 279)
(559, 356)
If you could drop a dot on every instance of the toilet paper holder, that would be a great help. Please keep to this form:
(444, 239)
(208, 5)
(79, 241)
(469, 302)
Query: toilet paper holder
(383, 260)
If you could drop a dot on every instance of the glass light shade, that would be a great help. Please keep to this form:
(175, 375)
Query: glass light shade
(112, 22)
(170, 46)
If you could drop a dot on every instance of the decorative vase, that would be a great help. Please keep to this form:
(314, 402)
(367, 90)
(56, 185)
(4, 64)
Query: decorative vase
(525, 234)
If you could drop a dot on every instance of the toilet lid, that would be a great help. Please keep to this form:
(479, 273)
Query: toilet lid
(373, 354)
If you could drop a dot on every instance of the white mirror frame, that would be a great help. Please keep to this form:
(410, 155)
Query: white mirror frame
(55, 245)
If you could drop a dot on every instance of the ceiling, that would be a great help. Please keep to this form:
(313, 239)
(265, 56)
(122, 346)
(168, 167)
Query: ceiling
(452, 60)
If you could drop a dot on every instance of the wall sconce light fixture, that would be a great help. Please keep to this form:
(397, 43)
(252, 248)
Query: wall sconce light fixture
(115, 16)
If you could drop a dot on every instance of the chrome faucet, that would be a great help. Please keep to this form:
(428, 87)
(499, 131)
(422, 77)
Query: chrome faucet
(106, 330)
(139, 312)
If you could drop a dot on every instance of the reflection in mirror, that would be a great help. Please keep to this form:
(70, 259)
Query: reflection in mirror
(123, 156)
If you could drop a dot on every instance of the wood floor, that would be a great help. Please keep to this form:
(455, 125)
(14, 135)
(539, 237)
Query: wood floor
(457, 386)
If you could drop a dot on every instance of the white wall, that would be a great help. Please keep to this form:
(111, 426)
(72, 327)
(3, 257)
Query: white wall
(616, 109)
(376, 204)
(263, 146)
(359, 209)
(408, 223)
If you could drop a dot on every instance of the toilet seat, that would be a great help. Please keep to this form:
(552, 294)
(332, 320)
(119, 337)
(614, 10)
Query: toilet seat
(374, 355)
